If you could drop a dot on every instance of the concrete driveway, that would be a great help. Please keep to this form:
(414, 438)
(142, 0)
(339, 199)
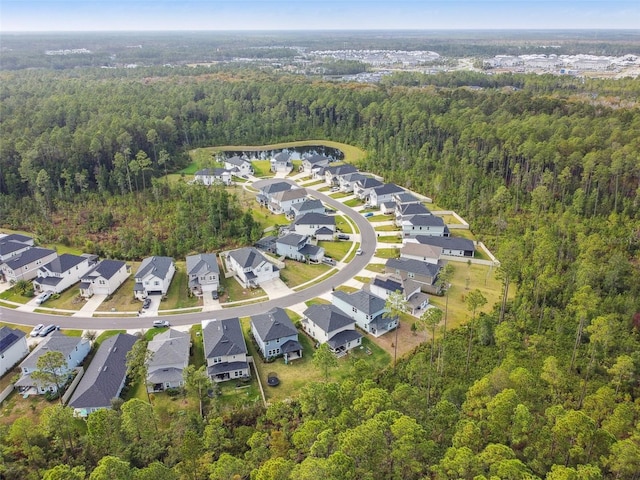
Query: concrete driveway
(91, 306)
(276, 288)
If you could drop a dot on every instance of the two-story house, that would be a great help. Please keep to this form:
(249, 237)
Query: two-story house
(307, 206)
(429, 225)
(409, 210)
(225, 349)
(169, 356)
(282, 202)
(327, 324)
(314, 161)
(424, 273)
(104, 278)
(453, 246)
(405, 198)
(383, 285)
(203, 273)
(13, 348)
(153, 277)
(346, 182)
(265, 197)
(368, 311)
(74, 350)
(363, 187)
(213, 176)
(276, 335)
(13, 244)
(333, 173)
(62, 272)
(383, 193)
(419, 251)
(251, 267)
(105, 377)
(25, 265)
(298, 247)
(238, 166)
(281, 163)
(316, 225)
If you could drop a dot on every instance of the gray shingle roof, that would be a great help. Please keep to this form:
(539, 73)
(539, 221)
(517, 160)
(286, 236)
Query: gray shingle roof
(275, 187)
(105, 374)
(55, 342)
(291, 239)
(311, 250)
(343, 337)
(158, 266)
(406, 197)
(338, 170)
(414, 266)
(11, 246)
(414, 209)
(273, 325)
(169, 348)
(314, 218)
(16, 237)
(237, 161)
(8, 337)
(364, 301)
(282, 157)
(247, 257)
(223, 337)
(106, 269)
(291, 194)
(202, 263)
(327, 317)
(215, 172)
(387, 189)
(453, 243)
(424, 220)
(315, 159)
(353, 177)
(64, 262)
(307, 205)
(27, 257)
(369, 183)
(324, 231)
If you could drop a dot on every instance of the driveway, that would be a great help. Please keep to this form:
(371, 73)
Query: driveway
(275, 288)
(91, 306)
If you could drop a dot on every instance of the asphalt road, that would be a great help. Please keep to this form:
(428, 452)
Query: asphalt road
(368, 245)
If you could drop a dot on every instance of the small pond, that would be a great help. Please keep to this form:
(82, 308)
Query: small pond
(296, 153)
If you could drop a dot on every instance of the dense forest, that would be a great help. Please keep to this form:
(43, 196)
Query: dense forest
(546, 169)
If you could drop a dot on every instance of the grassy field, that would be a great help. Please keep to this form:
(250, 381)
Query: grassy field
(234, 292)
(267, 219)
(380, 218)
(390, 239)
(336, 250)
(387, 228)
(337, 195)
(311, 184)
(11, 295)
(70, 299)
(177, 296)
(297, 273)
(362, 279)
(450, 219)
(347, 289)
(262, 168)
(387, 253)
(343, 225)
(354, 202)
(122, 299)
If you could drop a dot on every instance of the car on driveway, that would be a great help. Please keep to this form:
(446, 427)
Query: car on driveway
(342, 236)
(328, 261)
(161, 323)
(43, 297)
(36, 330)
(47, 330)
(368, 214)
(147, 303)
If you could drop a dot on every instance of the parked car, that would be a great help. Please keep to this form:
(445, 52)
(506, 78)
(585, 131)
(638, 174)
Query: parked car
(161, 323)
(368, 214)
(342, 236)
(43, 297)
(335, 189)
(328, 261)
(47, 330)
(359, 251)
(146, 303)
(36, 330)
(329, 211)
(214, 294)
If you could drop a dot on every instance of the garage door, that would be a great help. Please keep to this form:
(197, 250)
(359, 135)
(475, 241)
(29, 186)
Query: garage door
(155, 292)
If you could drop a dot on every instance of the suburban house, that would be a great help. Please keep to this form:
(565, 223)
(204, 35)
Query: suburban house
(308, 205)
(327, 324)
(238, 166)
(368, 311)
(203, 273)
(383, 193)
(276, 335)
(422, 272)
(362, 188)
(408, 210)
(13, 348)
(310, 223)
(423, 225)
(154, 277)
(267, 191)
(104, 278)
(405, 198)
(225, 349)
(314, 161)
(281, 163)
(454, 246)
(388, 207)
(25, 265)
(74, 350)
(13, 244)
(62, 272)
(105, 377)
(298, 247)
(213, 176)
(282, 202)
(419, 251)
(251, 267)
(383, 285)
(347, 181)
(332, 174)
(169, 353)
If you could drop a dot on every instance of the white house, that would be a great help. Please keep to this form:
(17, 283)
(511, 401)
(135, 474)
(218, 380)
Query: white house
(213, 176)
(104, 278)
(74, 350)
(408, 210)
(238, 166)
(283, 202)
(307, 206)
(203, 273)
(281, 163)
(25, 265)
(154, 277)
(251, 267)
(225, 349)
(169, 352)
(276, 335)
(332, 174)
(13, 348)
(405, 198)
(62, 272)
(368, 311)
(428, 225)
(383, 285)
(346, 182)
(454, 246)
(314, 161)
(327, 324)
(269, 190)
(298, 247)
(309, 223)
(383, 193)
(362, 188)
(13, 244)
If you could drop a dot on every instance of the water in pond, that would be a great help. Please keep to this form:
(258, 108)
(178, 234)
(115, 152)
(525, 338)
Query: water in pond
(296, 153)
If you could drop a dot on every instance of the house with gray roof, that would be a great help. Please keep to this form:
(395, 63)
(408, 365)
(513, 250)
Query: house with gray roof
(270, 189)
(251, 268)
(422, 252)
(309, 223)
(213, 176)
(62, 272)
(333, 173)
(430, 225)
(282, 202)
(383, 193)
(383, 285)
(363, 187)
(454, 246)
(25, 265)
(203, 273)
(314, 161)
(281, 163)
(153, 277)
(299, 247)
(13, 348)
(105, 278)
(346, 182)
(169, 356)
(225, 349)
(405, 198)
(238, 165)
(369, 311)
(308, 205)
(74, 350)
(276, 335)
(327, 324)
(424, 273)
(105, 377)
(408, 210)
(13, 244)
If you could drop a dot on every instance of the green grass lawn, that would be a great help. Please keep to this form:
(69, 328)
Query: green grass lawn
(380, 218)
(347, 288)
(387, 228)
(12, 296)
(337, 195)
(262, 168)
(450, 219)
(343, 224)
(317, 300)
(354, 202)
(197, 350)
(362, 279)
(234, 292)
(352, 255)
(387, 253)
(70, 299)
(324, 189)
(297, 273)
(178, 296)
(267, 219)
(24, 328)
(122, 299)
(336, 250)
(375, 267)
(192, 168)
(311, 184)
(390, 239)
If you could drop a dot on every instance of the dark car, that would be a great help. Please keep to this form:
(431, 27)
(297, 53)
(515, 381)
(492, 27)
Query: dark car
(146, 303)
(214, 294)
(342, 236)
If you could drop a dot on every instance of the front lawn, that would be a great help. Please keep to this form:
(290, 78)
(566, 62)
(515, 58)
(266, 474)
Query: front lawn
(337, 195)
(297, 273)
(122, 299)
(234, 292)
(70, 299)
(387, 228)
(390, 239)
(262, 168)
(388, 253)
(336, 250)
(12, 296)
(178, 294)
(343, 224)
(375, 267)
(267, 219)
(353, 202)
(380, 218)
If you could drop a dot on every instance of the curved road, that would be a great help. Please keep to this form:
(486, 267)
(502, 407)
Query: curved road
(368, 245)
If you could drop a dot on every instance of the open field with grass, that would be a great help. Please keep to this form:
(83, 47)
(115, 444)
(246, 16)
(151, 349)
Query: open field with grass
(262, 168)
(122, 299)
(450, 219)
(297, 273)
(387, 228)
(266, 219)
(336, 250)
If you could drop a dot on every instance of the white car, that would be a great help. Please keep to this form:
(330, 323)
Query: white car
(43, 297)
(36, 330)
(160, 323)
(359, 251)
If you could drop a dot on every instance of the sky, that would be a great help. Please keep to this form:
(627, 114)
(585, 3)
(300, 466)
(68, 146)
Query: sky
(161, 15)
